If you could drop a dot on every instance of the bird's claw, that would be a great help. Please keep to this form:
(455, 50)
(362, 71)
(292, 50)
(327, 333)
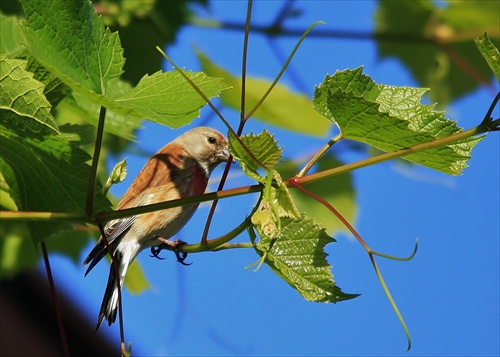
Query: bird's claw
(155, 252)
(173, 246)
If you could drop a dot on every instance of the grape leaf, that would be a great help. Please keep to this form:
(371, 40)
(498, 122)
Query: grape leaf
(297, 255)
(435, 43)
(70, 40)
(281, 108)
(88, 58)
(391, 118)
(12, 36)
(164, 97)
(22, 101)
(167, 98)
(264, 149)
(490, 54)
(135, 280)
(276, 202)
(54, 89)
(46, 173)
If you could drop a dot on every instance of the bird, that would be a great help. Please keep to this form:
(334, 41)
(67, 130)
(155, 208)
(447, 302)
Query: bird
(179, 169)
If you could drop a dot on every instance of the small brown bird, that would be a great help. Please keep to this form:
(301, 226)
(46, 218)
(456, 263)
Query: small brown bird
(180, 169)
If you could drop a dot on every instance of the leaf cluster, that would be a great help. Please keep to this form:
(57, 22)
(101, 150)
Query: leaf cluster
(62, 61)
(58, 66)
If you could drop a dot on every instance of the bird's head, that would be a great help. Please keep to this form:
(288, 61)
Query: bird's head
(205, 145)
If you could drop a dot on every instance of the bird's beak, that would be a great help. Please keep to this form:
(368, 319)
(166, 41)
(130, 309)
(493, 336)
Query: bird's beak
(224, 155)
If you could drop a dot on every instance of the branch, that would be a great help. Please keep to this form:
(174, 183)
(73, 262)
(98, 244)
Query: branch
(395, 154)
(89, 205)
(484, 127)
(55, 301)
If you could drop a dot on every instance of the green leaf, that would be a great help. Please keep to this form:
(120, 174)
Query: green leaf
(164, 97)
(135, 280)
(167, 98)
(16, 250)
(81, 107)
(54, 89)
(391, 118)
(297, 255)
(490, 54)
(70, 40)
(88, 58)
(281, 108)
(22, 101)
(436, 43)
(337, 190)
(70, 242)
(293, 245)
(264, 149)
(12, 35)
(117, 175)
(142, 26)
(46, 173)
(276, 203)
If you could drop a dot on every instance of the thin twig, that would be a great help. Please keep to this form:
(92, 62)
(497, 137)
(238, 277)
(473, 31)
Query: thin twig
(487, 117)
(225, 174)
(57, 306)
(89, 205)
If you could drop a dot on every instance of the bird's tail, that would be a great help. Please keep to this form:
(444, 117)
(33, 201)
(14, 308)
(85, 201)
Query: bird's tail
(109, 304)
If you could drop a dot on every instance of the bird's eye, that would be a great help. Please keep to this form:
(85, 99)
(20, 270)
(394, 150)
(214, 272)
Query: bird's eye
(212, 140)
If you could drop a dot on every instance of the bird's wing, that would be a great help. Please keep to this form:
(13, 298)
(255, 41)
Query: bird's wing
(114, 231)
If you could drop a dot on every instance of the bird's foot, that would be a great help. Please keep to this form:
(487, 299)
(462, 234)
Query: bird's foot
(173, 246)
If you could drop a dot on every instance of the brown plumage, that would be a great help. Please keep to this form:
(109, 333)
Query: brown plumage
(179, 169)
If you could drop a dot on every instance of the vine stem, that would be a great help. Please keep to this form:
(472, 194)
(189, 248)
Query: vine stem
(371, 254)
(244, 117)
(318, 155)
(393, 154)
(233, 192)
(89, 204)
(227, 168)
(55, 301)
(280, 74)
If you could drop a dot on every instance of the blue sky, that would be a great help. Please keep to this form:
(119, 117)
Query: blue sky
(448, 294)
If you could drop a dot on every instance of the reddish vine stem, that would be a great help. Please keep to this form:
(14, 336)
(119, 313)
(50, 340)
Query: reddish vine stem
(55, 301)
(293, 182)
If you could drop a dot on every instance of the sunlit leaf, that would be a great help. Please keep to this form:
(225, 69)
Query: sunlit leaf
(490, 54)
(264, 148)
(391, 118)
(86, 57)
(297, 255)
(22, 101)
(167, 98)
